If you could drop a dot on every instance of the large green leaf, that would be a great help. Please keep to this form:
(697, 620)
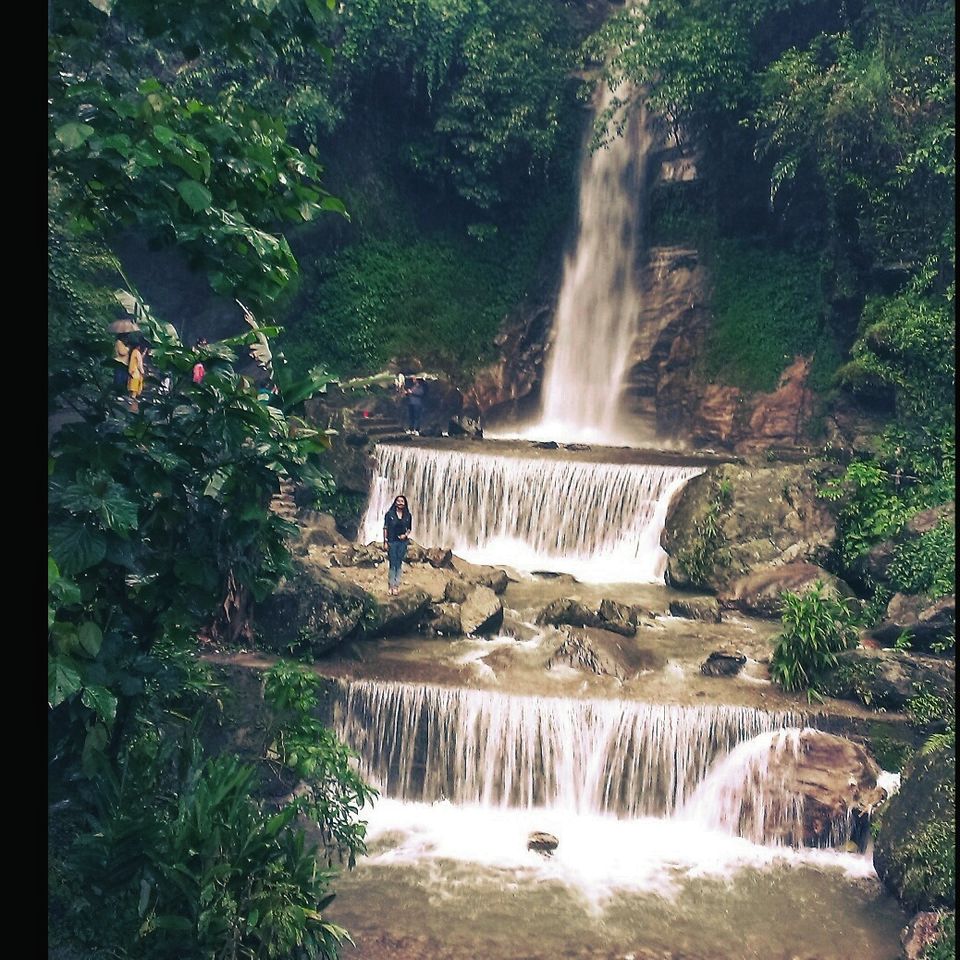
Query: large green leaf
(100, 700)
(90, 638)
(62, 681)
(77, 545)
(197, 197)
(73, 135)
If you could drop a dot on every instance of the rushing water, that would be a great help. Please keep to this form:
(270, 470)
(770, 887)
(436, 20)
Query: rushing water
(598, 521)
(646, 801)
(596, 316)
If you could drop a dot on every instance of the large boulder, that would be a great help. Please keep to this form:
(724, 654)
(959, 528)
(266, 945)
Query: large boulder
(837, 781)
(445, 621)
(398, 614)
(310, 609)
(887, 679)
(759, 592)
(481, 612)
(696, 608)
(927, 621)
(569, 612)
(723, 663)
(732, 519)
(916, 842)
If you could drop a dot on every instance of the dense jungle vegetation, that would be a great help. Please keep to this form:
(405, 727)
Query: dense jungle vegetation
(390, 178)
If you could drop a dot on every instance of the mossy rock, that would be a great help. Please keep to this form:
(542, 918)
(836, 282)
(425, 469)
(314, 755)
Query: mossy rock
(916, 841)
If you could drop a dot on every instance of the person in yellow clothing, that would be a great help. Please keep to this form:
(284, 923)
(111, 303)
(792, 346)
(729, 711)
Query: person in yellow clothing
(137, 370)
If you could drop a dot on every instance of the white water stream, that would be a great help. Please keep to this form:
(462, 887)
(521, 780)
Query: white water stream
(600, 522)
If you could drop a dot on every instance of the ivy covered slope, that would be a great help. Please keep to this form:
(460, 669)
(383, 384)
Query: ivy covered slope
(451, 132)
(825, 138)
(159, 520)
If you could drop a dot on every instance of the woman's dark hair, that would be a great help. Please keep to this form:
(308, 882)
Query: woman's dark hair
(403, 497)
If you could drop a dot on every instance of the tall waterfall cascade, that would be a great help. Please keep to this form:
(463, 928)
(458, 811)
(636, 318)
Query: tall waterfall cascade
(705, 764)
(598, 521)
(597, 309)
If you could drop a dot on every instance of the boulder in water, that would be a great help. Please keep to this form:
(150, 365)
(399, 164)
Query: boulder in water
(542, 842)
(570, 612)
(722, 663)
(481, 612)
(456, 591)
(463, 426)
(446, 622)
(696, 608)
(399, 613)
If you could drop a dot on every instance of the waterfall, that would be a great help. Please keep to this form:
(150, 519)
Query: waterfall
(427, 743)
(600, 522)
(597, 309)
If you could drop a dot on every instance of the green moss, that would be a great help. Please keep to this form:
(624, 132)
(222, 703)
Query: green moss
(707, 547)
(768, 307)
(891, 753)
(930, 872)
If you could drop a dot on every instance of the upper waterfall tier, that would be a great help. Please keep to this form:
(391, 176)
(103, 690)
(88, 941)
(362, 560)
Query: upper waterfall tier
(429, 743)
(597, 309)
(598, 521)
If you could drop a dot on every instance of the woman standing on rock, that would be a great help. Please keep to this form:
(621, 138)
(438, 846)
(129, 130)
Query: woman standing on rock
(396, 534)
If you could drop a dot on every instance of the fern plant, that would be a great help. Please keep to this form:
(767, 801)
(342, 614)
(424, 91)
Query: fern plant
(816, 627)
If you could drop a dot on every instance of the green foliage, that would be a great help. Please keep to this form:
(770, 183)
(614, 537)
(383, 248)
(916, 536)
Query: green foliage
(193, 865)
(928, 564)
(334, 794)
(485, 87)
(706, 549)
(768, 308)
(816, 628)
(944, 946)
(126, 148)
(438, 298)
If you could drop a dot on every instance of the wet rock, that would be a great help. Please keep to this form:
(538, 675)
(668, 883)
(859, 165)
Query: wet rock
(542, 842)
(311, 610)
(496, 580)
(319, 529)
(713, 420)
(926, 621)
(578, 446)
(916, 842)
(446, 621)
(722, 663)
(398, 614)
(887, 679)
(611, 610)
(481, 612)
(696, 608)
(919, 934)
(779, 418)
(732, 519)
(464, 427)
(547, 444)
(570, 612)
(837, 780)
(456, 591)
(577, 652)
(759, 592)
(439, 557)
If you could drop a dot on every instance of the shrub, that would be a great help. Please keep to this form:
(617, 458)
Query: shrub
(815, 629)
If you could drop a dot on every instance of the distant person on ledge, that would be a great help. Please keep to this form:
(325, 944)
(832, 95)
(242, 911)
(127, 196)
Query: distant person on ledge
(396, 535)
(415, 393)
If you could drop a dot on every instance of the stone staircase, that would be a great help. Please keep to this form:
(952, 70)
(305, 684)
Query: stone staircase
(381, 427)
(283, 503)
